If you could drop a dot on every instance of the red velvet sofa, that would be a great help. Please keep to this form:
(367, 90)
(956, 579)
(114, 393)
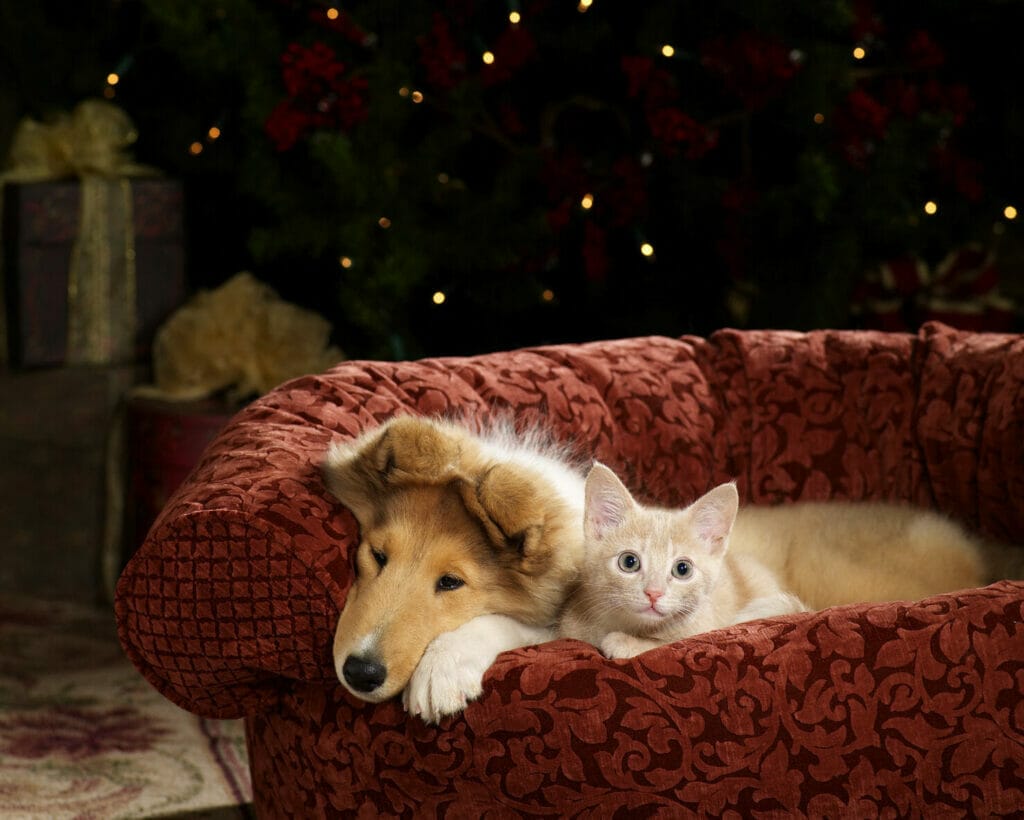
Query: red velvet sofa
(902, 709)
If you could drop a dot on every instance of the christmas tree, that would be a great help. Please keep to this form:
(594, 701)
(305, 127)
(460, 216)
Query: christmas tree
(458, 176)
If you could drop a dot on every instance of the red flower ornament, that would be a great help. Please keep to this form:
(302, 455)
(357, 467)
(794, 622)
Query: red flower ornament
(320, 95)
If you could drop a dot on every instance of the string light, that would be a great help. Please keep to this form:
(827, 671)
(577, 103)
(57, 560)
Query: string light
(115, 76)
(403, 91)
(859, 53)
(195, 149)
(443, 178)
(587, 202)
(488, 57)
(1010, 212)
(384, 222)
(345, 262)
(647, 249)
(332, 14)
(584, 5)
(514, 17)
(931, 208)
(438, 297)
(819, 118)
(667, 50)
(417, 96)
(213, 133)
(547, 295)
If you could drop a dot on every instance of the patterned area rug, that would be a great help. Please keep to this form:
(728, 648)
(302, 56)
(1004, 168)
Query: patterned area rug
(83, 736)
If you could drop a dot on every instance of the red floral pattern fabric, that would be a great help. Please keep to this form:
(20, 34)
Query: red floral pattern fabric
(906, 708)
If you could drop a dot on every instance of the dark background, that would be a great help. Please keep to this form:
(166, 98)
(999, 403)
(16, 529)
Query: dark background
(758, 215)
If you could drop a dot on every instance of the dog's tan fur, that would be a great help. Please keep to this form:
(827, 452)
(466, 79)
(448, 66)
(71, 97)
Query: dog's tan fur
(439, 501)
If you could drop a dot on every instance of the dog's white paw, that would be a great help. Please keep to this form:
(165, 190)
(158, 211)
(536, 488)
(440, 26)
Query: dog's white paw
(448, 676)
(621, 645)
(451, 672)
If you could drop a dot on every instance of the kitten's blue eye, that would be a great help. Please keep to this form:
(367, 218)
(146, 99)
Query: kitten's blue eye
(629, 562)
(682, 569)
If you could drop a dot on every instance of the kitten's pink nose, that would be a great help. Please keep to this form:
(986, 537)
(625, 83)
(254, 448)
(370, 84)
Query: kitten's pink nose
(653, 595)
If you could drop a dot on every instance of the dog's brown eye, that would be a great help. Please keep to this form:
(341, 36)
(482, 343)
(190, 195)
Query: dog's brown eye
(446, 583)
(379, 557)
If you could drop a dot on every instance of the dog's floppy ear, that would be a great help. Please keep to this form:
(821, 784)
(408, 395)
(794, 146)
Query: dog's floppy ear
(351, 474)
(405, 450)
(417, 451)
(510, 507)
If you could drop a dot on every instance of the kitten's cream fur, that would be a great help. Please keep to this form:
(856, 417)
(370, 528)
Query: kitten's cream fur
(748, 563)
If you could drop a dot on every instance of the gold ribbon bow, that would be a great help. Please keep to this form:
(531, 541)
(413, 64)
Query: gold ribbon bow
(91, 143)
(92, 139)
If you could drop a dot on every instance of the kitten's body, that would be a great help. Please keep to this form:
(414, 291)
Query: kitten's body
(746, 564)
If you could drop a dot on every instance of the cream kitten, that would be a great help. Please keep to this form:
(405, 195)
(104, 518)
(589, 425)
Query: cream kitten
(652, 576)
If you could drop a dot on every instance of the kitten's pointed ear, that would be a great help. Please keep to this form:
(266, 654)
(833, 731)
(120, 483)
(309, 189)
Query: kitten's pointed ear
(713, 515)
(607, 502)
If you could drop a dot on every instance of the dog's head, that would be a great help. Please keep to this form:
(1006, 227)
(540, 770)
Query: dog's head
(443, 538)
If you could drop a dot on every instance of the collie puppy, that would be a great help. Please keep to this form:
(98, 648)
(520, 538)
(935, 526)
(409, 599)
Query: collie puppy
(469, 540)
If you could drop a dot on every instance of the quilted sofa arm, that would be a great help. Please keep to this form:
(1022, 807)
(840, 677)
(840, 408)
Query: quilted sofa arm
(237, 587)
(234, 588)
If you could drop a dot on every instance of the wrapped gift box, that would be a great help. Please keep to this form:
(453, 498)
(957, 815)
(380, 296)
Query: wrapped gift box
(42, 222)
(55, 427)
(164, 442)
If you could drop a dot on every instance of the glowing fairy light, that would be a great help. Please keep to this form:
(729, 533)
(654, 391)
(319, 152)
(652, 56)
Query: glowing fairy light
(345, 262)
(213, 133)
(514, 17)
(819, 118)
(1010, 212)
(859, 53)
(647, 249)
(384, 222)
(332, 14)
(195, 149)
(587, 202)
(438, 297)
(667, 50)
(113, 78)
(931, 208)
(487, 57)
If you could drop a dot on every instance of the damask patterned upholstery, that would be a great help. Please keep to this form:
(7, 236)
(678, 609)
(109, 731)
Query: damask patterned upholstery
(903, 709)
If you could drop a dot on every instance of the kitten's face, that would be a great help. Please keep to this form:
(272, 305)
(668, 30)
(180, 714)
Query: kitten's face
(652, 567)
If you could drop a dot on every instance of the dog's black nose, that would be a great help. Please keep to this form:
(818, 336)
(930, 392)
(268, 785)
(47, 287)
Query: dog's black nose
(363, 674)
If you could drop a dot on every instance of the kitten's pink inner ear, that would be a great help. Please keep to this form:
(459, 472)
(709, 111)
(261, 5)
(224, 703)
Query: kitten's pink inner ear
(604, 513)
(607, 501)
(715, 514)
